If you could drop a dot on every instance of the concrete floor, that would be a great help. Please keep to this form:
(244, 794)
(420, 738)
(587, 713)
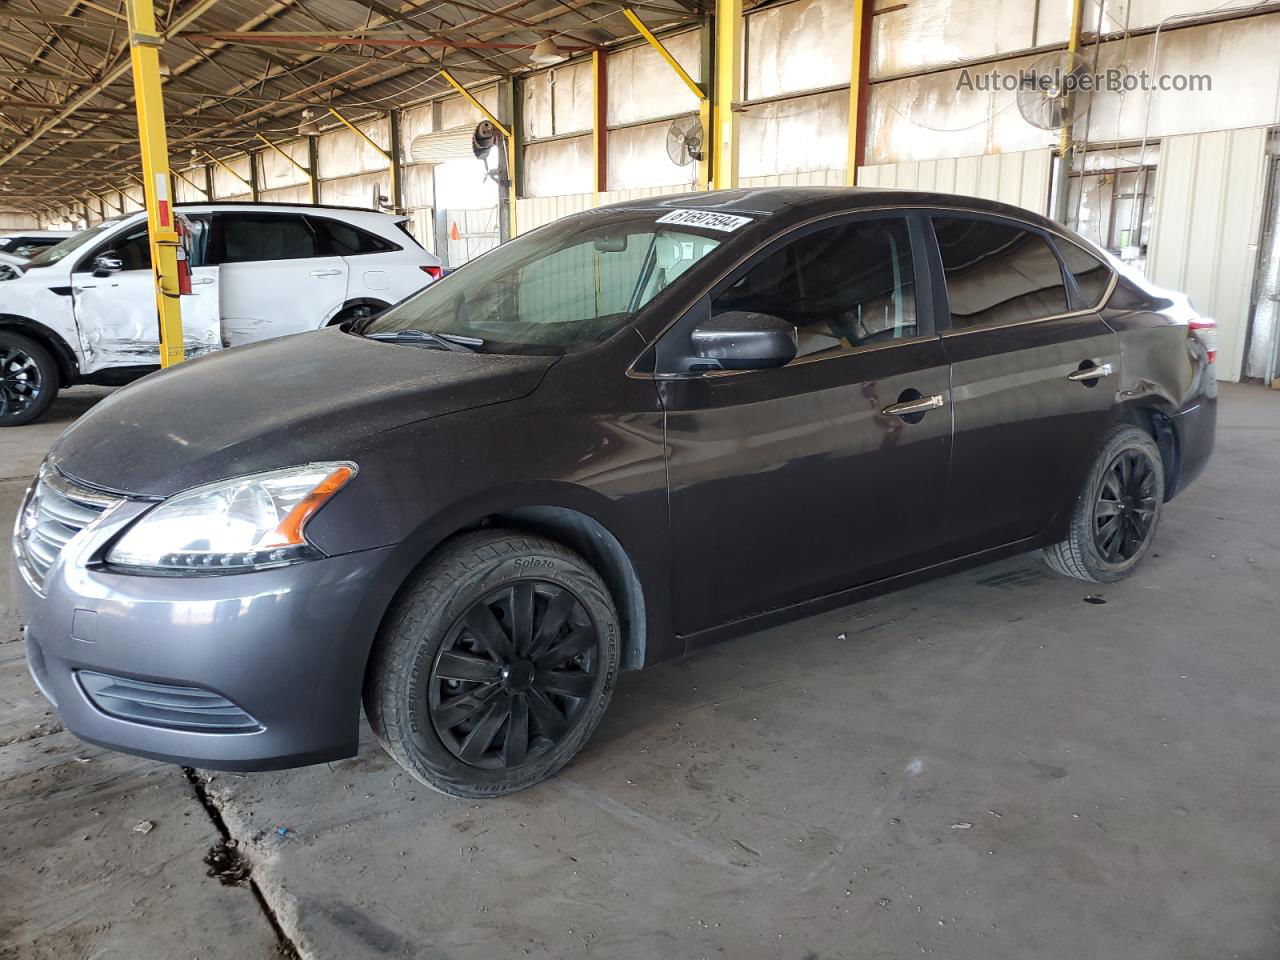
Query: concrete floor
(983, 766)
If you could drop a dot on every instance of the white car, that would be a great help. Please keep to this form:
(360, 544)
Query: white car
(11, 267)
(27, 243)
(84, 310)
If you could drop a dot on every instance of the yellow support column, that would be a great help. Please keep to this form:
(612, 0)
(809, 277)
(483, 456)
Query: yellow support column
(144, 48)
(858, 90)
(724, 163)
(599, 122)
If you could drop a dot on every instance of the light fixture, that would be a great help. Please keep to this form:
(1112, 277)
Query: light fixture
(545, 52)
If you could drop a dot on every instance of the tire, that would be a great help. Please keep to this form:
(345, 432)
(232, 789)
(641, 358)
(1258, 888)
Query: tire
(1116, 515)
(29, 379)
(501, 632)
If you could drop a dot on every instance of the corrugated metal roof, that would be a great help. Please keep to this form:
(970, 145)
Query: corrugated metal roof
(219, 92)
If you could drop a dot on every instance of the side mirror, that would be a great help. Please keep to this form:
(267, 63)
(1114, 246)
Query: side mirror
(744, 340)
(105, 264)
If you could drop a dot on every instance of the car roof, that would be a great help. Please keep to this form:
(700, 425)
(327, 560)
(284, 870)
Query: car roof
(287, 207)
(817, 200)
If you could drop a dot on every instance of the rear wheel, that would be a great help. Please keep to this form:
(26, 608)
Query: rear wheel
(1117, 513)
(495, 666)
(28, 379)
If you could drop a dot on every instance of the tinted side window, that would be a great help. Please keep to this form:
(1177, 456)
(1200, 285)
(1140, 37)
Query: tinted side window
(131, 246)
(135, 250)
(1091, 274)
(997, 273)
(843, 287)
(344, 240)
(248, 237)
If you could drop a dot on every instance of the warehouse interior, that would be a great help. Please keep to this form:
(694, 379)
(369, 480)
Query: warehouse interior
(360, 105)
(998, 763)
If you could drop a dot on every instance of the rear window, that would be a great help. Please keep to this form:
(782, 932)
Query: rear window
(1091, 274)
(344, 240)
(249, 237)
(998, 273)
(405, 228)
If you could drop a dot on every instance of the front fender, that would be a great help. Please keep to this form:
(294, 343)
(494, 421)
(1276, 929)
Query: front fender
(508, 460)
(59, 338)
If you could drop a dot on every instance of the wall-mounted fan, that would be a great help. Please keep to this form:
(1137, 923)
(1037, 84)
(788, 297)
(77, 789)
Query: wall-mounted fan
(483, 140)
(1050, 94)
(684, 140)
(310, 123)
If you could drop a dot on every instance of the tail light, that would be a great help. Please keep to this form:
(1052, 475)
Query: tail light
(1206, 331)
(430, 271)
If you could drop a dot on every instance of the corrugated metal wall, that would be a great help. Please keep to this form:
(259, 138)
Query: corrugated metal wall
(809, 178)
(298, 194)
(1021, 179)
(231, 179)
(15, 220)
(1210, 192)
(533, 212)
(185, 191)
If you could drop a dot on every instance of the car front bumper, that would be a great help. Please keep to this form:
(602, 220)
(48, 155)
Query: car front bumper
(249, 671)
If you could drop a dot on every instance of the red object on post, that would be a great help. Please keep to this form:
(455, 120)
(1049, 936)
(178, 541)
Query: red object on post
(184, 264)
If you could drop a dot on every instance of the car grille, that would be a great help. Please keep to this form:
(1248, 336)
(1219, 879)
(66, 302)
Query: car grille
(56, 511)
(164, 705)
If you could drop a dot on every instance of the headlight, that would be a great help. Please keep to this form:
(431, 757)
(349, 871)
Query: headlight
(233, 525)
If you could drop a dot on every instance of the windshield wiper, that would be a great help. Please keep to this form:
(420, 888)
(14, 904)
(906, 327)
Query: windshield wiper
(446, 341)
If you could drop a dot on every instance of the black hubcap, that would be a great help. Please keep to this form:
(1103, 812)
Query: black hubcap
(513, 674)
(1126, 506)
(20, 381)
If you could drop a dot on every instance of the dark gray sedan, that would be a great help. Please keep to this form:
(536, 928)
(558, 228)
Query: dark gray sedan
(615, 439)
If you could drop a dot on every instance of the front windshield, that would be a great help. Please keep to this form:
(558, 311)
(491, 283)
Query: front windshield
(51, 255)
(565, 287)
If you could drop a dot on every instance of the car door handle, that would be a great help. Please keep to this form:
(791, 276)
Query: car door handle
(325, 273)
(1091, 373)
(920, 405)
(201, 281)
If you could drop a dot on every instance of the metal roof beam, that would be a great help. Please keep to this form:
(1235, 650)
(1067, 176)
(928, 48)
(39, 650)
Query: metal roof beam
(111, 76)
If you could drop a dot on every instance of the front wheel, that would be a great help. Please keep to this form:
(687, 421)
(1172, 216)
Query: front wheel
(495, 666)
(28, 379)
(1116, 515)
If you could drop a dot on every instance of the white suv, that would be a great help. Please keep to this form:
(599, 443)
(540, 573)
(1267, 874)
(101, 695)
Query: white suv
(84, 311)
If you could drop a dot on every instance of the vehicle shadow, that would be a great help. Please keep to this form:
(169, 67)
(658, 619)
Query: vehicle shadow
(23, 448)
(73, 403)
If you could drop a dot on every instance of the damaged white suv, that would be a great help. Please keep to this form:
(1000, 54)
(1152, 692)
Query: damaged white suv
(84, 310)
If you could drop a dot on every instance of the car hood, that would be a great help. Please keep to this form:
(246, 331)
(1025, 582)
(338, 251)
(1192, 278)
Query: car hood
(292, 400)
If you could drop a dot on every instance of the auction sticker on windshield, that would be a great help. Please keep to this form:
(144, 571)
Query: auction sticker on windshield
(724, 222)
